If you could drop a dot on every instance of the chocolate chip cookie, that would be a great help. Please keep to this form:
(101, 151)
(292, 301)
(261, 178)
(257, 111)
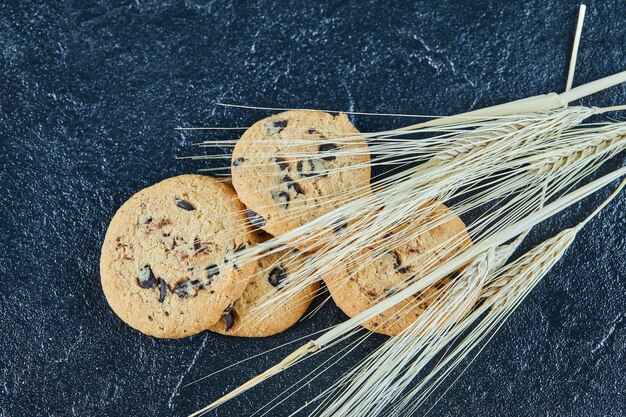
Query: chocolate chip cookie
(241, 318)
(357, 286)
(295, 166)
(169, 262)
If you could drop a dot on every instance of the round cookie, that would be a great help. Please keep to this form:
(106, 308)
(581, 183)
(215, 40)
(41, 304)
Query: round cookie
(240, 319)
(169, 258)
(355, 288)
(286, 184)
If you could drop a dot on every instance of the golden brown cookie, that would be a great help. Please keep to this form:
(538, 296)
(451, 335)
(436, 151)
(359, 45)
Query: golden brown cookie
(271, 271)
(169, 258)
(358, 286)
(288, 169)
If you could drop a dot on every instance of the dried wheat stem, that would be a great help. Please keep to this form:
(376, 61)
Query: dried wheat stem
(505, 292)
(382, 378)
(439, 182)
(378, 380)
(577, 35)
(475, 150)
(456, 263)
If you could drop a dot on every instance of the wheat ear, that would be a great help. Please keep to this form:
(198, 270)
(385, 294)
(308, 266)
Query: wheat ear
(454, 264)
(560, 162)
(504, 293)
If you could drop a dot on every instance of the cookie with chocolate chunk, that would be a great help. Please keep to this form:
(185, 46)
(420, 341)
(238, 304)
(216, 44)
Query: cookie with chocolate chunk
(296, 166)
(359, 285)
(244, 318)
(169, 263)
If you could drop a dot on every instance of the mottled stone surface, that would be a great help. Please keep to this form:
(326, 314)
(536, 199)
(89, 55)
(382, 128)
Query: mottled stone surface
(90, 95)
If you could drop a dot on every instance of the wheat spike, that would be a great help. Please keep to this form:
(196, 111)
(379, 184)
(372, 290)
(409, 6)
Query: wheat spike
(555, 165)
(503, 294)
(346, 328)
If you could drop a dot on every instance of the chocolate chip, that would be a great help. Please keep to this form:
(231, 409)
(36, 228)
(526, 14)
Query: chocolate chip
(282, 197)
(312, 131)
(296, 187)
(300, 167)
(282, 163)
(403, 269)
(292, 184)
(148, 220)
(371, 294)
(328, 147)
(229, 317)
(391, 291)
(276, 276)
(399, 268)
(279, 125)
(146, 278)
(314, 170)
(197, 284)
(212, 271)
(255, 219)
(237, 162)
(415, 250)
(237, 250)
(198, 246)
(182, 289)
(419, 296)
(184, 205)
(440, 284)
(229, 320)
(339, 224)
(395, 256)
(167, 314)
(162, 291)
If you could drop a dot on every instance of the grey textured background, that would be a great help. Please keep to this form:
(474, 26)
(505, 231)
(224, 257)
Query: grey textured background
(90, 94)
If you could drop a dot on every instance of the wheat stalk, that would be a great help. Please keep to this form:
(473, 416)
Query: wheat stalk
(369, 393)
(541, 171)
(553, 165)
(506, 290)
(481, 143)
(499, 238)
(578, 152)
(378, 380)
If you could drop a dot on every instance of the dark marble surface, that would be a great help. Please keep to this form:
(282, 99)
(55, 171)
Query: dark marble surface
(90, 95)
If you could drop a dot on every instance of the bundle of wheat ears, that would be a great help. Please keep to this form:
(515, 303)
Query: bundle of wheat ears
(517, 164)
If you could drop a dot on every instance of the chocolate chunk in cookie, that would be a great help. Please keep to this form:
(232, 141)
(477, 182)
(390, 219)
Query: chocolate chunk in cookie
(146, 278)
